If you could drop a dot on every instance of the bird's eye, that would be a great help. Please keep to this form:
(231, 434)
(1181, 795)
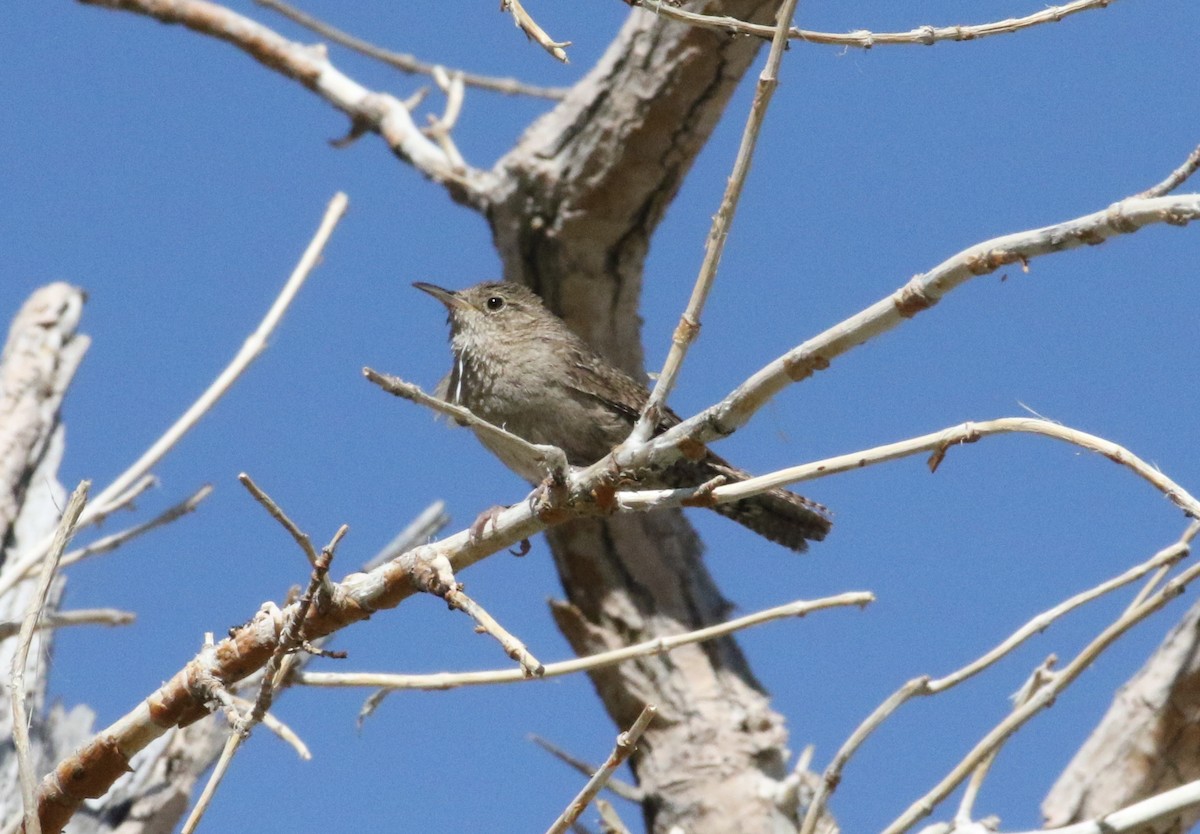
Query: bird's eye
(495, 302)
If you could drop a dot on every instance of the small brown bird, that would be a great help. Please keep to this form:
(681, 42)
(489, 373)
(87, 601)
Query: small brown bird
(519, 366)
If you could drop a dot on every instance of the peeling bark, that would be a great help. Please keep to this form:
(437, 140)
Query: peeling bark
(43, 352)
(40, 358)
(1147, 743)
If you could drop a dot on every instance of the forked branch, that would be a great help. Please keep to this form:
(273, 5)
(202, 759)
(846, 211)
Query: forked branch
(864, 39)
(920, 294)
(310, 66)
(409, 63)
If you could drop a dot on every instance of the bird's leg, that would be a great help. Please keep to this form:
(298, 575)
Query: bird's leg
(552, 493)
(479, 525)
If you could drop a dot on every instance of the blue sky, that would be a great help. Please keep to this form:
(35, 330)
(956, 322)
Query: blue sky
(177, 181)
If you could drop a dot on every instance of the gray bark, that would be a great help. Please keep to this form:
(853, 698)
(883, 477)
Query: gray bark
(572, 213)
(40, 357)
(1146, 743)
(43, 351)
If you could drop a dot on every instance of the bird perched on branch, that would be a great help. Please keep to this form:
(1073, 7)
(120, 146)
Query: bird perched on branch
(519, 366)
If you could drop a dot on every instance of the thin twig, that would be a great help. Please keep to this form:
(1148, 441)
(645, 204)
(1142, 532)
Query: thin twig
(1042, 699)
(535, 33)
(272, 677)
(409, 63)
(963, 817)
(99, 513)
(531, 667)
(1176, 178)
(250, 350)
(689, 323)
(550, 458)
(833, 773)
(938, 443)
(277, 513)
(113, 541)
(367, 109)
(281, 730)
(16, 685)
(611, 823)
(292, 634)
(440, 128)
(660, 645)
(1163, 559)
(253, 347)
(919, 294)
(435, 576)
(1182, 547)
(81, 616)
(626, 744)
(617, 786)
(232, 743)
(420, 530)
(925, 685)
(921, 36)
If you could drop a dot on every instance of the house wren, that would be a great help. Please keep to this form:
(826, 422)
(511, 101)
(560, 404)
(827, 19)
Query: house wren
(519, 366)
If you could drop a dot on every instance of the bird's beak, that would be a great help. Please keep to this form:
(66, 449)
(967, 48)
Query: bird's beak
(450, 298)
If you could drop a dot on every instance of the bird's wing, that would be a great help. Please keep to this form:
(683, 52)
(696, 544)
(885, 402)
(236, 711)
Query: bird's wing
(593, 378)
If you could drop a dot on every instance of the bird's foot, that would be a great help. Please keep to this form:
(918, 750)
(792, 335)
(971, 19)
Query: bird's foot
(550, 498)
(479, 525)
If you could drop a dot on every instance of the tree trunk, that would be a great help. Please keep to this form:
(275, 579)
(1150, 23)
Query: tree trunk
(572, 212)
(40, 358)
(1148, 741)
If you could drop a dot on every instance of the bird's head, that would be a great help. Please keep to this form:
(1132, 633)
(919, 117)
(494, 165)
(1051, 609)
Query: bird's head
(493, 315)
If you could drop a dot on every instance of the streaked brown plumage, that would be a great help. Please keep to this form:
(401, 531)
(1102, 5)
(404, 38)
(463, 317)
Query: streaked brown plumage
(519, 366)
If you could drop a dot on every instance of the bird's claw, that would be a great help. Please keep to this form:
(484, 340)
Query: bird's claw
(479, 525)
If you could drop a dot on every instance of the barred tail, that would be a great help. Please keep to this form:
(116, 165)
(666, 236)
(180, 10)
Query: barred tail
(781, 516)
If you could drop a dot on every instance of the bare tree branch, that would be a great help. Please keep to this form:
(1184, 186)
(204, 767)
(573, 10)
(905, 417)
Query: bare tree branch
(1176, 178)
(388, 585)
(1173, 810)
(377, 112)
(689, 323)
(582, 244)
(550, 458)
(615, 786)
(184, 698)
(924, 685)
(82, 616)
(276, 512)
(41, 354)
(422, 528)
(16, 682)
(409, 63)
(275, 670)
(450, 680)
(920, 294)
(1042, 699)
(251, 349)
(39, 360)
(626, 742)
(530, 666)
(1144, 744)
(111, 542)
(863, 39)
(525, 22)
(937, 442)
